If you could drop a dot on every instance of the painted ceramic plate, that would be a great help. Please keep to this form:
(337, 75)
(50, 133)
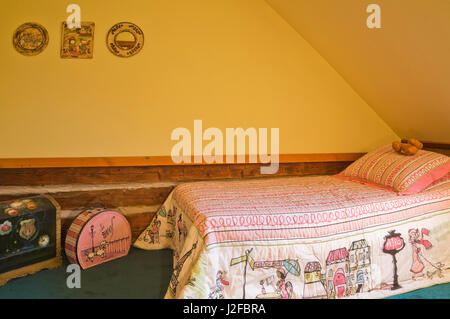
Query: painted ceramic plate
(30, 38)
(125, 39)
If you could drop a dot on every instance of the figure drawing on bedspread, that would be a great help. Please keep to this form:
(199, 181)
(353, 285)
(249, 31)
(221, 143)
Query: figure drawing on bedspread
(182, 229)
(152, 233)
(417, 240)
(217, 291)
(284, 288)
(171, 215)
(417, 266)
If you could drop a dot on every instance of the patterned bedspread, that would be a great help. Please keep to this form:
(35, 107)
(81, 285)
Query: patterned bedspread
(301, 237)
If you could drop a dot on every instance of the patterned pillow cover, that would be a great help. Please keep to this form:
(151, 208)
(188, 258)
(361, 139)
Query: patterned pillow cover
(403, 174)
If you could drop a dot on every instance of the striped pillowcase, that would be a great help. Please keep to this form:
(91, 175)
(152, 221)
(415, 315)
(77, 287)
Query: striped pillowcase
(403, 174)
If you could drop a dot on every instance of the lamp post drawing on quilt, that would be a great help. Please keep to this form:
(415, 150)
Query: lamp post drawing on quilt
(248, 260)
(393, 244)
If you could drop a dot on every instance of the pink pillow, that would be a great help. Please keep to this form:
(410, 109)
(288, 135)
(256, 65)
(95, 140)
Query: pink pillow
(403, 174)
(441, 181)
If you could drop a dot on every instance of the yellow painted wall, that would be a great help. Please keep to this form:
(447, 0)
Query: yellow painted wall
(401, 70)
(230, 63)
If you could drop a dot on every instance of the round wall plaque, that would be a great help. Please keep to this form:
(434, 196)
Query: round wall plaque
(125, 39)
(30, 38)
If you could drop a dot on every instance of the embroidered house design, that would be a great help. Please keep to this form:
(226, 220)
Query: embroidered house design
(360, 275)
(313, 288)
(337, 272)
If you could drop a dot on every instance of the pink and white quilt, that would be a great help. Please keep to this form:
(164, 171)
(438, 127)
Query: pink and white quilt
(301, 237)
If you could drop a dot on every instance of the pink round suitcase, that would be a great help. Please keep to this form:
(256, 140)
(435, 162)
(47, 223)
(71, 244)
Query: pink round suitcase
(96, 236)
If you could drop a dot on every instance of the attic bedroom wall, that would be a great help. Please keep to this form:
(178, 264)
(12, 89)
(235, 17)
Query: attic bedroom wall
(230, 63)
(402, 70)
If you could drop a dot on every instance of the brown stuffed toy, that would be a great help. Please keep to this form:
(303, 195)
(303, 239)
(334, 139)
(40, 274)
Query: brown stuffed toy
(409, 148)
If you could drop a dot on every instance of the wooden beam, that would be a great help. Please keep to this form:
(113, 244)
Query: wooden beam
(139, 161)
(440, 145)
(144, 174)
(108, 197)
(437, 147)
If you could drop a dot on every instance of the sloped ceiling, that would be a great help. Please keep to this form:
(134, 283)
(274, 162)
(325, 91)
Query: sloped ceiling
(401, 70)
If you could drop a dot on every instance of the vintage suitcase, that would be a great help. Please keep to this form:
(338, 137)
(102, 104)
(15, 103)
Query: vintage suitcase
(96, 236)
(30, 236)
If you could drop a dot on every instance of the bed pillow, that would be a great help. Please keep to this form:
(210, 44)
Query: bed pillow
(441, 181)
(405, 175)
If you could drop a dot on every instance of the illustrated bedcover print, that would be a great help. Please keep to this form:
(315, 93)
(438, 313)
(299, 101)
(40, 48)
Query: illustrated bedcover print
(301, 237)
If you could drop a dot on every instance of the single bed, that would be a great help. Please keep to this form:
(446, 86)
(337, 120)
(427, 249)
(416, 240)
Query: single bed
(301, 237)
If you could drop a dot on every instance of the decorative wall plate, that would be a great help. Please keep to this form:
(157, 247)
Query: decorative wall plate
(78, 43)
(30, 38)
(125, 39)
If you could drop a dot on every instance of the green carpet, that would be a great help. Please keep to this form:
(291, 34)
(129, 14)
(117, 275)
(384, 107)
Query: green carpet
(141, 274)
(435, 292)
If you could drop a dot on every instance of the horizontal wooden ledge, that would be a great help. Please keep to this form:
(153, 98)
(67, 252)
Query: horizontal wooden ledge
(67, 162)
(157, 174)
(109, 197)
